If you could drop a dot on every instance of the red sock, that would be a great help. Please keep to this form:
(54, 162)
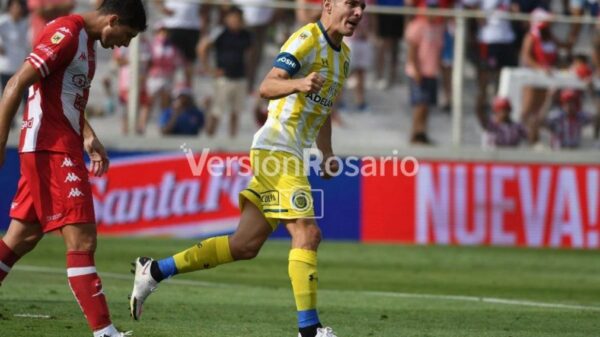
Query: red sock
(87, 288)
(7, 259)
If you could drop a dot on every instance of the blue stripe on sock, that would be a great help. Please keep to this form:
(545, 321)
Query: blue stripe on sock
(307, 318)
(167, 267)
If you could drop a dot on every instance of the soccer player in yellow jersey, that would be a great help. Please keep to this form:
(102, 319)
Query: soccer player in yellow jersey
(306, 78)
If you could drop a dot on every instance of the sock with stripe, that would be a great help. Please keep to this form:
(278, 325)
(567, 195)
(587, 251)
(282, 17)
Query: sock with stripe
(8, 258)
(87, 288)
(206, 254)
(303, 274)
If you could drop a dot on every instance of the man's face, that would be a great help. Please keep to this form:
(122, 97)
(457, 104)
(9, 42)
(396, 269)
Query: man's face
(346, 14)
(116, 35)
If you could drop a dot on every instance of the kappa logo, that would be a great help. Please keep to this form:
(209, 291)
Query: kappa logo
(324, 62)
(82, 56)
(57, 37)
(65, 30)
(67, 162)
(75, 193)
(72, 177)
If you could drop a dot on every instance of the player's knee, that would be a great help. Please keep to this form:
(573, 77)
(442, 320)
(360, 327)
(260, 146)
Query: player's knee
(313, 236)
(84, 244)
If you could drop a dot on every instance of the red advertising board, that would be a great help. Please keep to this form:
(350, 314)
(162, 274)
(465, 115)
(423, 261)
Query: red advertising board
(161, 195)
(474, 203)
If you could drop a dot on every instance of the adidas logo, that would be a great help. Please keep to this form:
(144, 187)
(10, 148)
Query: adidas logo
(72, 177)
(75, 193)
(67, 162)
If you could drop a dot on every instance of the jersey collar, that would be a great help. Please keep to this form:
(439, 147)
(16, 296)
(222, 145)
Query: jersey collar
(322, 29)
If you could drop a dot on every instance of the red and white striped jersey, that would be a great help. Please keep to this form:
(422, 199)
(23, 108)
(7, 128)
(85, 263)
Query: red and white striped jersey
(65, 58)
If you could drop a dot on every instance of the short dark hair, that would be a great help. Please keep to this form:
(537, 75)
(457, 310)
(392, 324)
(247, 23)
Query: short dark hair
(130, 12)
(22, 3)
(234, 10)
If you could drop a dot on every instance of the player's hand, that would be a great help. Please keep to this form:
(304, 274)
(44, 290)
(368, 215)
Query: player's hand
(311, 83)
(330, 166)
(98, 157)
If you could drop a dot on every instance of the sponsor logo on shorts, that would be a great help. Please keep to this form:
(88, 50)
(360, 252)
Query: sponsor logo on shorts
(301, 200)
(270, 198)
(54, 217)
(28, 124)
(75, 193)
(71, 178)
(67, 162)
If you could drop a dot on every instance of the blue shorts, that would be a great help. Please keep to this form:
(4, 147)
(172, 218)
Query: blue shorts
(585, 5)
(423, 93)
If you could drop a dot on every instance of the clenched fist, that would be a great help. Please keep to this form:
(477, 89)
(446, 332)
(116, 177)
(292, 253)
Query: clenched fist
(311, 84)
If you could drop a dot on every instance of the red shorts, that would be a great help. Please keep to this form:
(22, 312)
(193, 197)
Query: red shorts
(54, 190)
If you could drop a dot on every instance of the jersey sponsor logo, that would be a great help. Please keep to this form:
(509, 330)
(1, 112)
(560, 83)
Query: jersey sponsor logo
(67, 162)
(57, 37)
(79, 102)
(287, 61)
(28, 124)
(328, 103)
(270, 198)
(81, 81)
(75, 193)
(72, 177)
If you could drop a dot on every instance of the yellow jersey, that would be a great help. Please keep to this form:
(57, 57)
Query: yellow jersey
(294, 121)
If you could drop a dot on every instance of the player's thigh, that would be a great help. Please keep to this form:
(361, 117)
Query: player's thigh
(253, 229)
(79, 237)
(305, 233)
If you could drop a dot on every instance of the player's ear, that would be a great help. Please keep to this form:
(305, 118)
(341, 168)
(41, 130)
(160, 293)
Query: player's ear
(327, 4)
(113, 20)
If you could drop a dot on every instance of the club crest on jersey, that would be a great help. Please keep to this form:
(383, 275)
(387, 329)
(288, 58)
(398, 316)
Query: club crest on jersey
(57, 37)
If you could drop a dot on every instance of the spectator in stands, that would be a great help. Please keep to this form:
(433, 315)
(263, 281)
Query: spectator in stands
(500, 129)
(14, 47)
(361, 54)
(425, 38)
(184, 21)
(496, 46)
(165, 59)
(539, 51)
(390, 29)
(121, 58)
(567, 121)
(305, 15)
(232, 45)
(525, 7)
(44, 11)
(183, 117)
(257, 20)
(578, 8)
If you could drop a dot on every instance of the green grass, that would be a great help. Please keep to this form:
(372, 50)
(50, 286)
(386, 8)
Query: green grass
(253, 299)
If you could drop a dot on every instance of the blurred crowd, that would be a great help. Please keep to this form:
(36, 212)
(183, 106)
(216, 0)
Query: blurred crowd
(226, 43)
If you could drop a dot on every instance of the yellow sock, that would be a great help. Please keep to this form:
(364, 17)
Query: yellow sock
(207, 254)
(303, 274)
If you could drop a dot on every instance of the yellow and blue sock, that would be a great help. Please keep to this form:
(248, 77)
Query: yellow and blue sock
(303, 274)
(207, 254)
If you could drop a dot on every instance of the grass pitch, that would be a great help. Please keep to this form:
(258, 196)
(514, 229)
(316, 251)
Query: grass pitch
(365, 290)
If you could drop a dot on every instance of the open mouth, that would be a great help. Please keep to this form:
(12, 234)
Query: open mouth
(352, 24)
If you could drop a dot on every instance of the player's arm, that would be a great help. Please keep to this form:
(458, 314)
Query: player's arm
(278, 84)
(329, 166)
(11, 98)
(95, 149)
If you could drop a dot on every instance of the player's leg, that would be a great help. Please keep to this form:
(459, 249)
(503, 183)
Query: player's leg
(302, 269)
(20, 238)
(244, 244)
(80, 241)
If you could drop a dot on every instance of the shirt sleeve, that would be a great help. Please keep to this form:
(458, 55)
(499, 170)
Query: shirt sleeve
(57, 47)
(296, 52)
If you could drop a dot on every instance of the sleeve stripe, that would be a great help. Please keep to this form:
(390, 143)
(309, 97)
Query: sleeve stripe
(36, 65)
(41, 62)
